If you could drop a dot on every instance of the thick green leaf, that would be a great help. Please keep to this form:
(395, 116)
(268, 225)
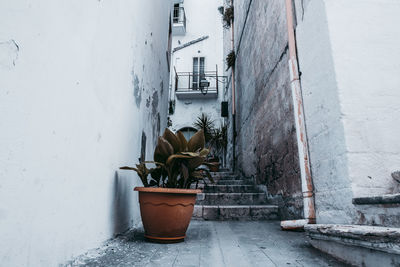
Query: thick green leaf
(128, 168)
(185, 172)
(163, 150)
(182, 140)
(195, 162)
(204, 152)
(174, 169)
(141, 170)
(156, 173)
(153, 183)
(191, 154)
(176, 156)
(196, 142)
(173, 140)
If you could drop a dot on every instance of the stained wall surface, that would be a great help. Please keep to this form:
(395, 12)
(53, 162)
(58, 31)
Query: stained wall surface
(80, 81)
(349, 77)
(266, 146)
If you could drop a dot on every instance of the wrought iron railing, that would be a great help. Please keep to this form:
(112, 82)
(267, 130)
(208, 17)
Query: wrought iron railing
(204, 83)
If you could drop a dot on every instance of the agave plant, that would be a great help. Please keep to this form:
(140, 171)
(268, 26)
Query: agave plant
(177, 161)
(203, 122)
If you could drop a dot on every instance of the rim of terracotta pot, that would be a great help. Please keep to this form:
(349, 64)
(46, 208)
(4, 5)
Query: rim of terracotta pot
(167, 190)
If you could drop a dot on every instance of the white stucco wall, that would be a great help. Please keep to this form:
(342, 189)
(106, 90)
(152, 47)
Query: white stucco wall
(79, 81)
(324, 124)
(365, 39)
(348, 56)
(203, 19)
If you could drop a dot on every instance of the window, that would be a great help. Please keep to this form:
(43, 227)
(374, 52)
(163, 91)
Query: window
(176, 13)
(198, 71)
(188, 132)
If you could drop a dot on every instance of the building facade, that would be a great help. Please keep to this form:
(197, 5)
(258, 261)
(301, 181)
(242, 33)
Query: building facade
(197, 65)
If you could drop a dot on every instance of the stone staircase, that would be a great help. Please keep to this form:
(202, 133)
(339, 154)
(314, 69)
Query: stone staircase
(232, 198)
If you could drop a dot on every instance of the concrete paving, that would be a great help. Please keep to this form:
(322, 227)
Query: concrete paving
(212, 243)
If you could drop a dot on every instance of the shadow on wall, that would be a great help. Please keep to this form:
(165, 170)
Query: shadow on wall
(125, 212)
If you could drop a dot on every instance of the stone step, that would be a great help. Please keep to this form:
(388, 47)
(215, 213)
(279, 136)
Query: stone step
(225, 176)
(230, 189)
(221, 173)
(231, 199)
(230, 177)
(234, 182)
(224, 182)
(358, 245)
(236, 212)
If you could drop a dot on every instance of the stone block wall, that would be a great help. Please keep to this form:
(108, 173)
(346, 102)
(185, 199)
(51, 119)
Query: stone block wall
(266, 146)
(348, 65)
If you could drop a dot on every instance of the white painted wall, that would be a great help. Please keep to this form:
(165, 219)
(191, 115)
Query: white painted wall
(348, 55)
(203, 18)
(79, 81)
(365, 39)
(325, 130)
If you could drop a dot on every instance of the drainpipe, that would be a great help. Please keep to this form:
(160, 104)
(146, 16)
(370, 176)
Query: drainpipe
(233, 97)
(306, 179)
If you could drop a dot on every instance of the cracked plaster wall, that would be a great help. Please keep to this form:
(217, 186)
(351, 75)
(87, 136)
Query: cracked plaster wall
(79, 82)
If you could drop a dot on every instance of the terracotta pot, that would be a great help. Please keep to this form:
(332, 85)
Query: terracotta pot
(166, 212)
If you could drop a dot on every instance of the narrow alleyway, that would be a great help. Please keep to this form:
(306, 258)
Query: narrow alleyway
(212, 243)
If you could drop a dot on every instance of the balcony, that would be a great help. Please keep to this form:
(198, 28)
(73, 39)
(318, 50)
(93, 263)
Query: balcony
(179, 21)
(189, 85)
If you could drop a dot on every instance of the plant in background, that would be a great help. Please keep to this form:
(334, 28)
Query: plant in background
(219, 140)
(203, 122)
(177, 162)
(230, 59)
(228, 16)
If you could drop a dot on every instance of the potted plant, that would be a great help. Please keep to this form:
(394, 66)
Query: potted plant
(218, 144)
(216, 140)
(167, 200)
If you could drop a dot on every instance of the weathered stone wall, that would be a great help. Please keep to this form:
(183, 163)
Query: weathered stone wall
(266, 146)
(350, 87)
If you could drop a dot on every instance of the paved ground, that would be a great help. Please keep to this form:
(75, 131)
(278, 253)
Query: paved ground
(211, 243)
